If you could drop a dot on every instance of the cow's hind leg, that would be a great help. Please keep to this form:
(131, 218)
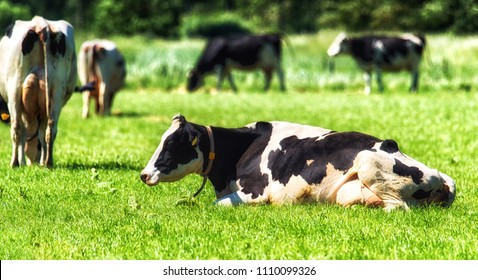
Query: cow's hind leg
(30, 100)
(414, 85)
(280, 75)
(367, 76)
(86, 104)
(379, 79)
(16, 134)
(355, 192)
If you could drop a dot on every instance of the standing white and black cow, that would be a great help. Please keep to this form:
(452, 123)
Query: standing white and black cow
(382, 53)
(101, 65)
(280, 162)
(245, 52)
(37, 77)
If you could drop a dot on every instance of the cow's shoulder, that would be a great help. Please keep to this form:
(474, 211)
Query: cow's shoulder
(362, 47)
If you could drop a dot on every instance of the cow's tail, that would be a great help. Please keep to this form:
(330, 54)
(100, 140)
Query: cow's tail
(425, 51)
(286, 39)
(45, 39)
(90, 60)
(46, 157)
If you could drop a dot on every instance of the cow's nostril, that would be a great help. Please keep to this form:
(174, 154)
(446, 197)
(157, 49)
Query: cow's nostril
(144, 177)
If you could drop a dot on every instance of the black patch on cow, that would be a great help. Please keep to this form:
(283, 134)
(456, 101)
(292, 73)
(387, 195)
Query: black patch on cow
(389, 146)
(29, 42)
(421, 194)
(404, 170)
(309, 158)
(177, 149)
(9, 30)
(58, 44)
(248, 169)
(361, 48)
(243, 50)
(391, 48)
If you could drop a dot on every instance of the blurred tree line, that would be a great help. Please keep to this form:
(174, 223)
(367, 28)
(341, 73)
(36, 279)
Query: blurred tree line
(175, 18)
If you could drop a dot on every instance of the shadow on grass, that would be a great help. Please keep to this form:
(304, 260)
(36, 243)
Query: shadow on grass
(106, 165)
(131, 114)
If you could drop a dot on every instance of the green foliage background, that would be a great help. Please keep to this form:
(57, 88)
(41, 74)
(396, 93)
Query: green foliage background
(171, 18)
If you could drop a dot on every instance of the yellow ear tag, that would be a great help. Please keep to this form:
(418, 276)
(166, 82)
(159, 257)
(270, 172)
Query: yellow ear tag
(5, 116)
(195, 141)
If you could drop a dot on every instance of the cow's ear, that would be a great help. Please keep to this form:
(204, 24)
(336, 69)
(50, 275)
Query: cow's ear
(194, 138)
(194, 142)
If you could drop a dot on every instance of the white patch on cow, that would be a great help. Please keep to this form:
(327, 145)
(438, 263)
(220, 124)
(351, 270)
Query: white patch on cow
(281, 130)
(413, 38)
(296, 190)
(336, 46)
(309, 162)
(379, 45)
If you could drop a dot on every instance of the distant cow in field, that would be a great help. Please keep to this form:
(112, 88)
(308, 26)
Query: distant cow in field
(280, 162)
(245, 52)
(382, 53)
(100, 64)
(37, 77)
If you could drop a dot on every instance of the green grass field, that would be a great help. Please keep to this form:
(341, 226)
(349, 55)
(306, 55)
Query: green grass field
(92, 205)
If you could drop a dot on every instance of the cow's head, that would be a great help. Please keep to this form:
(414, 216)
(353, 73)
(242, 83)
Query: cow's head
(339, 45)
(177, 155)
(195, 80)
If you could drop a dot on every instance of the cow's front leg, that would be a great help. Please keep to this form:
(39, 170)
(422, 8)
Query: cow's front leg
(379, 79)
(367, 76)
(237, 198)
(231, 81)
(220, 77)
(231, 199)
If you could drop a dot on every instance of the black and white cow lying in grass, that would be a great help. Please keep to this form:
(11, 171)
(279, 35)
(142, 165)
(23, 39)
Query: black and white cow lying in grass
(280, 162)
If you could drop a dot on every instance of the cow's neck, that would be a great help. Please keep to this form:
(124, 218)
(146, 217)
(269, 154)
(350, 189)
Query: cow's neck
(230, 145)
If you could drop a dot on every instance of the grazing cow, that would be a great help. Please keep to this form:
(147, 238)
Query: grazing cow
(246, 52)
(37, 77)
(280, 162)
(101, 64)
(382, 53)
